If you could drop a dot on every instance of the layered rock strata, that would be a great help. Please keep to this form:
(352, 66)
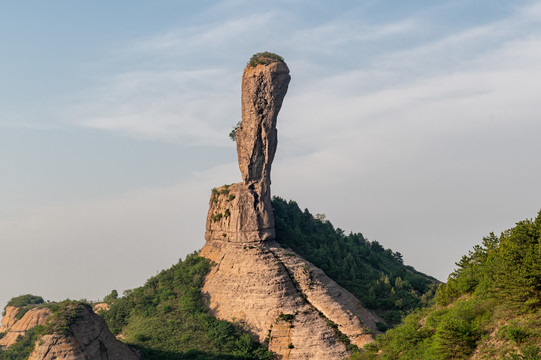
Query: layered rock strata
(283, 300)
(15, 328)
(9, 318)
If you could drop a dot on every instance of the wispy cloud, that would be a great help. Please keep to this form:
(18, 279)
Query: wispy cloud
(198, 104)
(170, 105)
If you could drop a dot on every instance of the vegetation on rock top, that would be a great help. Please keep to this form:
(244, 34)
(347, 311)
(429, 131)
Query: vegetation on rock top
(264, 58)
(24, 303)
(64, 315)
(375, 275)
(23, 300)
(490, 306)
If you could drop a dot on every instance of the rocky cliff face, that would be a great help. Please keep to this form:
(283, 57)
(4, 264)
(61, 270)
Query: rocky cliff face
(9, 318)
(88, 338)
(15, 328)
(282, 299)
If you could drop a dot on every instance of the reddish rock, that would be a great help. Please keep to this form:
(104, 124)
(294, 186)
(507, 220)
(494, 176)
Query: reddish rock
(32, 318)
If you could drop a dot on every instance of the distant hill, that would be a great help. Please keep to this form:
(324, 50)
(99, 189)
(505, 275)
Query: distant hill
(490, 307)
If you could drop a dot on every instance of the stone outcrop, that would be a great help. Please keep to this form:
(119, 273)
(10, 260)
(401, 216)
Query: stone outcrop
(283, 300)
(89, 339)
(9, 318)
(32, 318)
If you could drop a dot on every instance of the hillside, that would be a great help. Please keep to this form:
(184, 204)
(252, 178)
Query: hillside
(490, 307)
(167, 318)
(375, 275)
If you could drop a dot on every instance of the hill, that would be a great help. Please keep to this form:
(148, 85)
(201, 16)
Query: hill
(490, 307)
(167, 318)
(375, 275)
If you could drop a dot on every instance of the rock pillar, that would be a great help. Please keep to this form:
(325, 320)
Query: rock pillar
(242, 212)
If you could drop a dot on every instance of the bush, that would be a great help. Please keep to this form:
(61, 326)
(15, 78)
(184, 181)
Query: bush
(264, 58)
(23, 347)
(24, 300)
(64, 315)
(516, 334)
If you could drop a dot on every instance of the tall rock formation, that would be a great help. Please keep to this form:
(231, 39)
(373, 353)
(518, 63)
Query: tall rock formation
(242, 212)
(282, 299)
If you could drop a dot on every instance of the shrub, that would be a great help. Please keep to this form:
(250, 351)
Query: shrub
(516, 334)
(64, 315)
(24, 300)
(286, 317)
(23, 347)
(264, 58)
(233, 133)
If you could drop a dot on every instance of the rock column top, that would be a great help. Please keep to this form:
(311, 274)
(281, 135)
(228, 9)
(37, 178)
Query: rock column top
(263, 90)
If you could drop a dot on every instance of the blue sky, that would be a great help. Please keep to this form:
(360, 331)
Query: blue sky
(413, 122)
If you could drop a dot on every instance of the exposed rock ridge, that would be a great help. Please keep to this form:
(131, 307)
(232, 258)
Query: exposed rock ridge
(15, 328)
(89, 339)
(333, 301)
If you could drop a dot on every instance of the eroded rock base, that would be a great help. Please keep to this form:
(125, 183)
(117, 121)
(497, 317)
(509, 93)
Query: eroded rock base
(285, 301)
